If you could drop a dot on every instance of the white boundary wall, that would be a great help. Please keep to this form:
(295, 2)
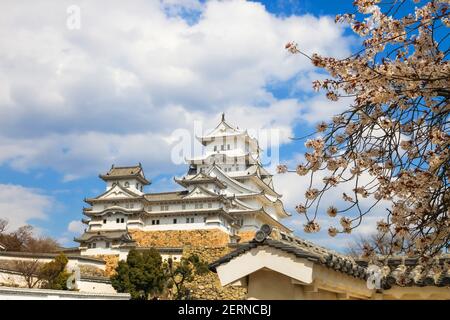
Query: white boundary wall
(7, 293)
(73, 261)
(11, 278)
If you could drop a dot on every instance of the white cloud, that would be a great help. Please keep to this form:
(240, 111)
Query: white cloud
(113, 91)
(18, 205)
(320, 108)
(76, 226)
(65, 241)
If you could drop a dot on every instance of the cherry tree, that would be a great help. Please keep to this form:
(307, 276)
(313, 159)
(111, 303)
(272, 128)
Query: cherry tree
(396, 131)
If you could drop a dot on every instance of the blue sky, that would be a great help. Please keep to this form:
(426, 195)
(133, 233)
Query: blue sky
(75, 101)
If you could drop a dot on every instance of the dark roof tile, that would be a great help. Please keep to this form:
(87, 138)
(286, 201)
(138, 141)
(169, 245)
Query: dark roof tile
(345, 264)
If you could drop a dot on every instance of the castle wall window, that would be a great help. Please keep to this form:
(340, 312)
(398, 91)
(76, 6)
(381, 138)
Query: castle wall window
(104, 221)
(174, 221)
(215, 148)
(94, 245)
(155, 222)
(192, 220)
(122, 220)
(108, 244)
(199, 206)
(222, 147)
(129, 205)
(165, 208)
(228, 146)
(117, 220)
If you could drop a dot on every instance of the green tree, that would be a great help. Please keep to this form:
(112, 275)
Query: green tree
(53, 274)
(180, 273)
(142, 275)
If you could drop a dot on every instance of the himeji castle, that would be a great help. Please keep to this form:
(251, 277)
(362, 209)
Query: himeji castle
(226, 197)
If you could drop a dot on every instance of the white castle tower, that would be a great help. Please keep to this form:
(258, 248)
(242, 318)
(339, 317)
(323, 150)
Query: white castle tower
(225, 190)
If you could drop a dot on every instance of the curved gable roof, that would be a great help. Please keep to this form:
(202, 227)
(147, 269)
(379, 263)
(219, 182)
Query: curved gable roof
(228, 180)
(116, 189)
(126, 172)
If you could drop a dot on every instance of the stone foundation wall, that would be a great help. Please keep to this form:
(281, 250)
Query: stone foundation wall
(112, 261)
(209, 245)
(180, 238)
(208, 287)
(246, 236)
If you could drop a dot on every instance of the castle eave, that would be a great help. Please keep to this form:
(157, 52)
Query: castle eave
(133, 172)
(137, 177)
(87, 237)
(112, 209)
